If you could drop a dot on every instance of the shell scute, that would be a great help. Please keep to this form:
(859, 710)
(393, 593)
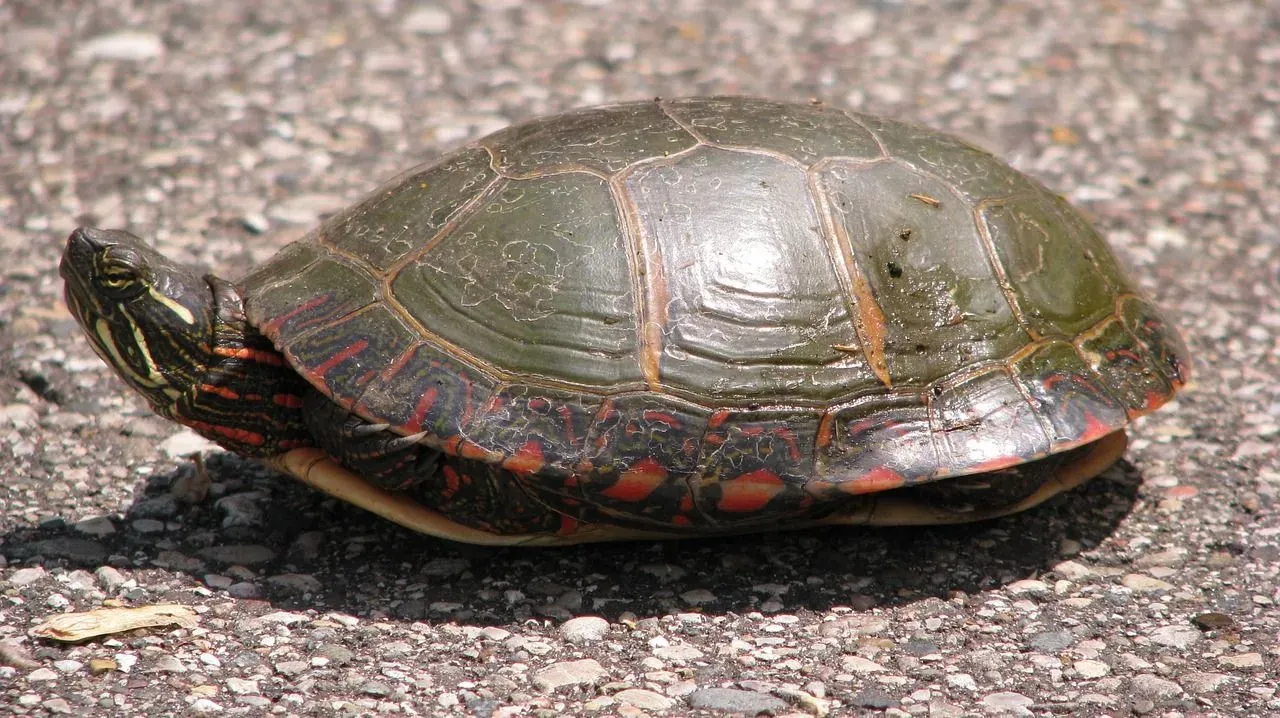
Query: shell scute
(983, 422)
(972, 171)
(1071, 397)
(643, 446)
(540, 430)
(1164, 346)
(604, 140)
(756, 462)
(926, 267)
(426, 389)
(806, 133)
(534, 282)
(322, 292)
(874, 444)
(397, 218)
(1125, 366)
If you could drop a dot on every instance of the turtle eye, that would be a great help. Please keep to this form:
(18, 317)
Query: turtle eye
(120, 273)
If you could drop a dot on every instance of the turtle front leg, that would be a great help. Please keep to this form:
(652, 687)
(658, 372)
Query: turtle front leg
(475, 494)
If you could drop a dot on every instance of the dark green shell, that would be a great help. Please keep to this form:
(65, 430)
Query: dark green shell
(698, 309)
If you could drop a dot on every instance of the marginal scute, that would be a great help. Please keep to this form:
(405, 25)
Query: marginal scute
(323, 292)
(1125, 366)
(539, 430)
(347, 357)
(1072, 398)
(535, 283)
(605, 140)
(755, 463)
(806, 133)
(876, 443)
(984, 423)
(407, 211)
(927, 268)
(1162, 343)
(640, 451)
(426, 389)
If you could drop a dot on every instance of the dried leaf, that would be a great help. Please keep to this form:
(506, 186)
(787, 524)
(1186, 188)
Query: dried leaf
(78, 626)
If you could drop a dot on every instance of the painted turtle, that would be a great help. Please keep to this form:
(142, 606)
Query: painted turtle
(660, 319)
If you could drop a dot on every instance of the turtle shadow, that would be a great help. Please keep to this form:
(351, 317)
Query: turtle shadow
(263, 535)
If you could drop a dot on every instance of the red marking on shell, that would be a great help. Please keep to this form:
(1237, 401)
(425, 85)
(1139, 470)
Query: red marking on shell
(270, 327)
(825, 431)
(566, 415)
(568, 525)
(495, 402)
(261, 356)
(681, 520)
(686, 503)
(538, 403)
(528, 460)
(637, 482)
(452, 481)
(243, 436)
(1124, 354)
(793, 446)
(718, 418)
(1094, 429)
(349, 351)
(749, 492)
(471, 450)
(419, 415)
(881, 478)
(1154, 400)
(288, 401)
(222, 391)
(661, 417)
(1151, 402)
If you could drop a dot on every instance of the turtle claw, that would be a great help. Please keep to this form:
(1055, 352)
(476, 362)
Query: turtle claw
(192, 487)
(400, 443)
(362, 430)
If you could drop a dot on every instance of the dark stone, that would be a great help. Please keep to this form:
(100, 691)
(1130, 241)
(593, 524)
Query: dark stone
(1051, 641)
(77, 550)
(160, 507)
(1213, 621)
(733, 700)
(920, 647)
(874, 698)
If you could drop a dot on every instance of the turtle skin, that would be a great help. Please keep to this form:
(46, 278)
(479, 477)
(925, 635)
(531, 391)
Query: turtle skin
(710, 315)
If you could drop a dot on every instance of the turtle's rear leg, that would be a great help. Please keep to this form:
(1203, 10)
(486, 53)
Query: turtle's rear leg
(473, 493)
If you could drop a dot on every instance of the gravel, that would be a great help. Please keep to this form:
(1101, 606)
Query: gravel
(223, 130)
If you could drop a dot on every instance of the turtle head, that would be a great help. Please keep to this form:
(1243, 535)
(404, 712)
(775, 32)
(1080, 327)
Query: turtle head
(181, 341)
(146, 316)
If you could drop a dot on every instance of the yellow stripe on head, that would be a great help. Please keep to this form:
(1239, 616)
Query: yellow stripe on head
(153, 380)
(183, 313)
